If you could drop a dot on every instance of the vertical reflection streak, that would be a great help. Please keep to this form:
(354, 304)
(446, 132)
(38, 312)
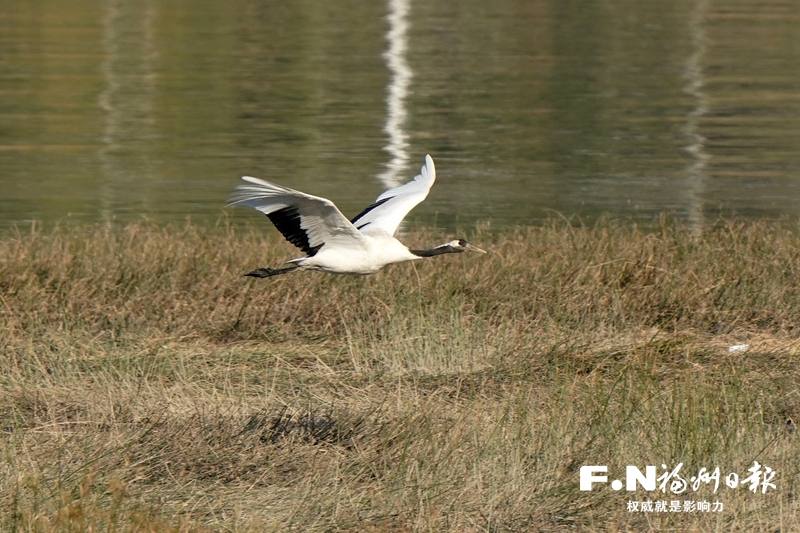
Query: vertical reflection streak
(112, 84)
(397, 92)
(695, 171)
(129, 56)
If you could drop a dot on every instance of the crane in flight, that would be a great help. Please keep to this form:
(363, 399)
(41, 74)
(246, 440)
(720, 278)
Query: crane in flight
(331, 243)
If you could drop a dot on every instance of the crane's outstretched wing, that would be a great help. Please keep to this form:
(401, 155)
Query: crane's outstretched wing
(391, 207)
(306, 221)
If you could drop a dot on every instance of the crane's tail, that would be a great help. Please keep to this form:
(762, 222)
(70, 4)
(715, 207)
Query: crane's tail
(269, 272)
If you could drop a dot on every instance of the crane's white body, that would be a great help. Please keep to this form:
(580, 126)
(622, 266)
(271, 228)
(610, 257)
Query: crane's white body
(332, 242)
(368, 257)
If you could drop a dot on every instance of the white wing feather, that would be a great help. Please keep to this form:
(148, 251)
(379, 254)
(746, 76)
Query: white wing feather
(320, 219)
(391, 207)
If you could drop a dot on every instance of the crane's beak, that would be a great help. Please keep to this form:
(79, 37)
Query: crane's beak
(474, 249)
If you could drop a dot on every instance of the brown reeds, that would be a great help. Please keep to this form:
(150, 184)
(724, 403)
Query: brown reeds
(147, 385)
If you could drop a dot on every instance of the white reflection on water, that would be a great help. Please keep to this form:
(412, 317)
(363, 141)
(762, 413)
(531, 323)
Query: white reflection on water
(695, 171)
(399, 82)
(128, 70)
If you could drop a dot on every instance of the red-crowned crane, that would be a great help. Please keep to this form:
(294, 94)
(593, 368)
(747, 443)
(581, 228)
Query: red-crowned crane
(334, 244)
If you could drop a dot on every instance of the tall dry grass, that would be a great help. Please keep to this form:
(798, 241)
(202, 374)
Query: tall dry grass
(148, 386)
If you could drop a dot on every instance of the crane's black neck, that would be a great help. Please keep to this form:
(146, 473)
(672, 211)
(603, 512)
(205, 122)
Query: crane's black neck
(439, 250)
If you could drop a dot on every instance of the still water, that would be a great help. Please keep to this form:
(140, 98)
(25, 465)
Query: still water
(123, 109)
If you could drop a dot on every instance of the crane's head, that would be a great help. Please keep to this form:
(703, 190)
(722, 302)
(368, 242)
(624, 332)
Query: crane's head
(461, 245)
(452, 247)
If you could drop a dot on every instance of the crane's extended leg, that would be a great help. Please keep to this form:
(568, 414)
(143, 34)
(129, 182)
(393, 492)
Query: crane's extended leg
(269, 272)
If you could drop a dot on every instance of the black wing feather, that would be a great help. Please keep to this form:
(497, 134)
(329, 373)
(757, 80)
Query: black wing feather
(367, 210)
(287, 220)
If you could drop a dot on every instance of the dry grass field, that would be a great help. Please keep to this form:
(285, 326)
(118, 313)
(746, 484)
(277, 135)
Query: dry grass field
(146, 385)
